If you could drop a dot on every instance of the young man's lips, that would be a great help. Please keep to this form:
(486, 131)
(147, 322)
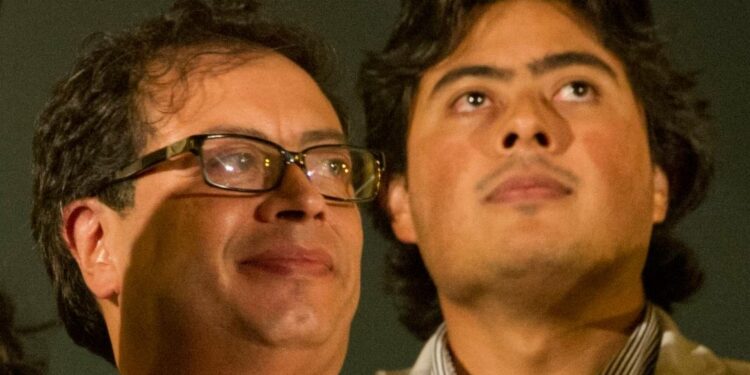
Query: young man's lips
(528, 188)
(289, 260)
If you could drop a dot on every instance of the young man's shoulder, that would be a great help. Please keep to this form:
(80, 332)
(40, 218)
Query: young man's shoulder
(678, 355)
(681, 356)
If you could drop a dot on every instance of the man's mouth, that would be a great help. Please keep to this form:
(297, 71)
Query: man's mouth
(289, 260)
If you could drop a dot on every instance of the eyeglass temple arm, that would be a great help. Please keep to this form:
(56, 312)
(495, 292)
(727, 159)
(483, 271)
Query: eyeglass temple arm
(151, 159)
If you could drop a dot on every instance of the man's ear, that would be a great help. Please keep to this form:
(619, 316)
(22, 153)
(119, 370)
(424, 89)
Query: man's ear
(661, 195)
(399, 211)
(83, 232)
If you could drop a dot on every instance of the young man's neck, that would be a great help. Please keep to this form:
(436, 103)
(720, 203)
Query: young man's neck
(579, 337)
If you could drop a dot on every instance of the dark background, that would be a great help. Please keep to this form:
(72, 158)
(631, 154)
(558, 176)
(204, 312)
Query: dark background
(38, 42)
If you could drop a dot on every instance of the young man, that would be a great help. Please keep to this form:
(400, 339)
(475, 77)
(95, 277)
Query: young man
(541, 154)
(195, 198)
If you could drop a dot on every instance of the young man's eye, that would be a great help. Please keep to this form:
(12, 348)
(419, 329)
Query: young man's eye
(576, 91)
(470, 101)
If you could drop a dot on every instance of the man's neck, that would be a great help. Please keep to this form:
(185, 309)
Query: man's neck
(274, 361)
(577, 338)
(204, 356)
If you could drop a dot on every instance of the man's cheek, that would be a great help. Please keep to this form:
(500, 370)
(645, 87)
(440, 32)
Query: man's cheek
(195, 230)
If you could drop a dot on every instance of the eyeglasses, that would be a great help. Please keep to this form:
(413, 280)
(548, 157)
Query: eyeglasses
(245, 163)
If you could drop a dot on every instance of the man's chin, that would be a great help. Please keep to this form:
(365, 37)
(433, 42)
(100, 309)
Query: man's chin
(300, 326)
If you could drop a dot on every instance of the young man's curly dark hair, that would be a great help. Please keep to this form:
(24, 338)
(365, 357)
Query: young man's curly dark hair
(92, 125)
(678, 124)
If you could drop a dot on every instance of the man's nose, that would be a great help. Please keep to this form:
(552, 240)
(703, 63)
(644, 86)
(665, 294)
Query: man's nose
(532, 123)
(295, 199)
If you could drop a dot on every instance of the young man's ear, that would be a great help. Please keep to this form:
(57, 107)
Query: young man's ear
(661, 195)
(83, 232)
(399, 211)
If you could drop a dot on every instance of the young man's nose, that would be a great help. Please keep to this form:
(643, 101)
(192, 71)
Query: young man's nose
(532, 124)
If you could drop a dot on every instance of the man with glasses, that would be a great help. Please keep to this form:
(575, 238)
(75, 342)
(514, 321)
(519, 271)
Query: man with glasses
(195, 198)
(540, 155)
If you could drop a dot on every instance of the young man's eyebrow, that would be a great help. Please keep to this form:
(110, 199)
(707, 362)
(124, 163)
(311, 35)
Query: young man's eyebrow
(566, 59)
(479, 71)
(538, 67)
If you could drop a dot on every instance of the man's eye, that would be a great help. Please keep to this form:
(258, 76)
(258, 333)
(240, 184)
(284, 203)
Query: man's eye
(336, 168)
(576, 91)
(470, 102)
(234, 162)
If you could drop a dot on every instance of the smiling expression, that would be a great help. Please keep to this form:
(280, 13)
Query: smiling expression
(279, 268)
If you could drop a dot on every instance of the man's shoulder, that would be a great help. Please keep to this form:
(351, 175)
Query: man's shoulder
(679, 355)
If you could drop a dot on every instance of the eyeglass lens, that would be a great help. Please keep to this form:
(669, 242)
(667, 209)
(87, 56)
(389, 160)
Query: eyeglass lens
(244, 164)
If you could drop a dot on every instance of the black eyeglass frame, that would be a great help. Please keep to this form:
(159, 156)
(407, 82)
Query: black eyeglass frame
(194, 144)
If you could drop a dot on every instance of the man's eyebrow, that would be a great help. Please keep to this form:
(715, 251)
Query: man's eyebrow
(481, 71)
(324, 135)
(308, 137)
(231, 129)
(565, 59)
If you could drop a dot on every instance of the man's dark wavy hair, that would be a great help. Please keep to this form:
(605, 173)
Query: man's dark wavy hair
(678, 125)
(92, 125)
